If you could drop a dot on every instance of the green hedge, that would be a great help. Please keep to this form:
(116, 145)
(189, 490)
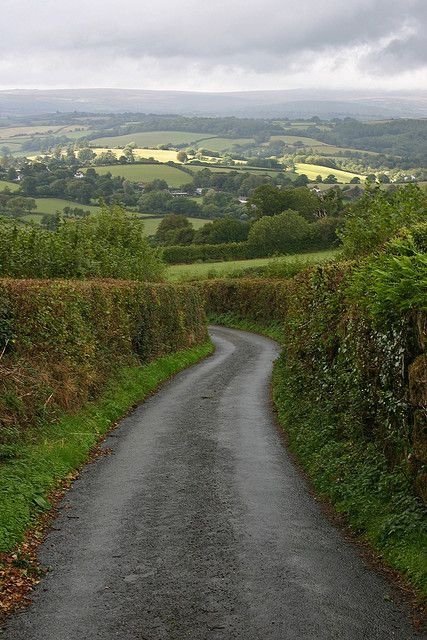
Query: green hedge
(321, 235)
(60, 341)
(350, 390)
(186, 254)
(361, 370)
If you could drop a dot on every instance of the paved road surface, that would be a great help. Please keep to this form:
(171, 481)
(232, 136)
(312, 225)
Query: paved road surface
(199, 526)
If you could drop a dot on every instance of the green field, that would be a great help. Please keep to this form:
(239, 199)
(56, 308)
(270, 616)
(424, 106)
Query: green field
(314, 170)
(219, 269)
(241, 168)
(151, 224)
(307, 142)
(8, 185)
(147, 172)
(221, 144)
(150, 139)
(52, 205)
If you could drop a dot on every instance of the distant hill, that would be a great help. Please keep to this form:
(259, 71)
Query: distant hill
(264, 104)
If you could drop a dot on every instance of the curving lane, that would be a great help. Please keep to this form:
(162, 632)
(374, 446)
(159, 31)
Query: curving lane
(199, 526)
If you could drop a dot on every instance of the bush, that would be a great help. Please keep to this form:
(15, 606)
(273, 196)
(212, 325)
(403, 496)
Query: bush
(377, 217)
(206, 252)
(110, 244)
(287, 232)
(61, 341)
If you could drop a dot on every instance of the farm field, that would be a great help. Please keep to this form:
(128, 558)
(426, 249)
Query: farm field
(151, 224)
(146, 173)
(314, 170)
(4, 184)
(161, 155)
(179, 272)
(52, 205)
(76, 135)
(307, 142)
(221, 144)
(149, 138)
(10, 132)
(244, 169)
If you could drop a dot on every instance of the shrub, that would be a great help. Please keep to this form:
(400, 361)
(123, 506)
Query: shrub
(64, 340)
(110, 244)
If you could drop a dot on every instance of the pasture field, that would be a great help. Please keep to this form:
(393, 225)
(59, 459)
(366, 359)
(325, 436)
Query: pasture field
(151, 224)
(76, 135)
(52, 205)
(10, 132)
(314, 170)
(146, 173)
(221, 144)
(307, 142)
(161, 155)
(240, 168)
(181, 272)
(150, 138)
(4, 184)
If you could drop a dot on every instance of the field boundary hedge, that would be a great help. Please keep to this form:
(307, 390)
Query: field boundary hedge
(61, 341)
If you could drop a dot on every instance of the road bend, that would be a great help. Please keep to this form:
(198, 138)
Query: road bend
(199, 526)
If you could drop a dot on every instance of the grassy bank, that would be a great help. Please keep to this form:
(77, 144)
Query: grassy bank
(44, 457)
(376, 499)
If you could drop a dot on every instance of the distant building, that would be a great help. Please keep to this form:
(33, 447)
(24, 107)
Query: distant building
(79, 174)
(178, 194)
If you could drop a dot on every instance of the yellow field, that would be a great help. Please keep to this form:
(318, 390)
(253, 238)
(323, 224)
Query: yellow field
(314, 170)
(160, 155)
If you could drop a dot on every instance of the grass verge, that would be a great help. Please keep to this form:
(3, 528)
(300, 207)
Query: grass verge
(376, 502)
(55, 451)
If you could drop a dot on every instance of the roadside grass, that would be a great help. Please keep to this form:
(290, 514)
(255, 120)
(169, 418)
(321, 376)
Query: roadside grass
(353, 476)
(235, 268)
(49, 455)
(146, 173)
(150, 138)
(314, 170)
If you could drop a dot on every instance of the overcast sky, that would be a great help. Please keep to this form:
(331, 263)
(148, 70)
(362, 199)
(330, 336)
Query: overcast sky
(215, 45)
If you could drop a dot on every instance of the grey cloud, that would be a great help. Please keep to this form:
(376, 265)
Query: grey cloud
(251, 35)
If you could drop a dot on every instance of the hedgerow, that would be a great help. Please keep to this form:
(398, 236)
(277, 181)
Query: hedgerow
(350, 389)
(60, 341)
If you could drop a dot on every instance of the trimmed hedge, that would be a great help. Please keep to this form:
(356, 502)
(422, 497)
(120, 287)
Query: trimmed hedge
(60, 341)
(369, 376)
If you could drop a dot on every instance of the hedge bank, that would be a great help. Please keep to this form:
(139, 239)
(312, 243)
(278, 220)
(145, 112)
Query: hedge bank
(351, 393)
(60, 341)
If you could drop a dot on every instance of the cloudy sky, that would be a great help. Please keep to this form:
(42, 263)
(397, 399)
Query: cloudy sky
(220, 45)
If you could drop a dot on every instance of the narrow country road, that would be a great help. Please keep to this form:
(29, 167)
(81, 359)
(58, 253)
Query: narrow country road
(199, 526)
